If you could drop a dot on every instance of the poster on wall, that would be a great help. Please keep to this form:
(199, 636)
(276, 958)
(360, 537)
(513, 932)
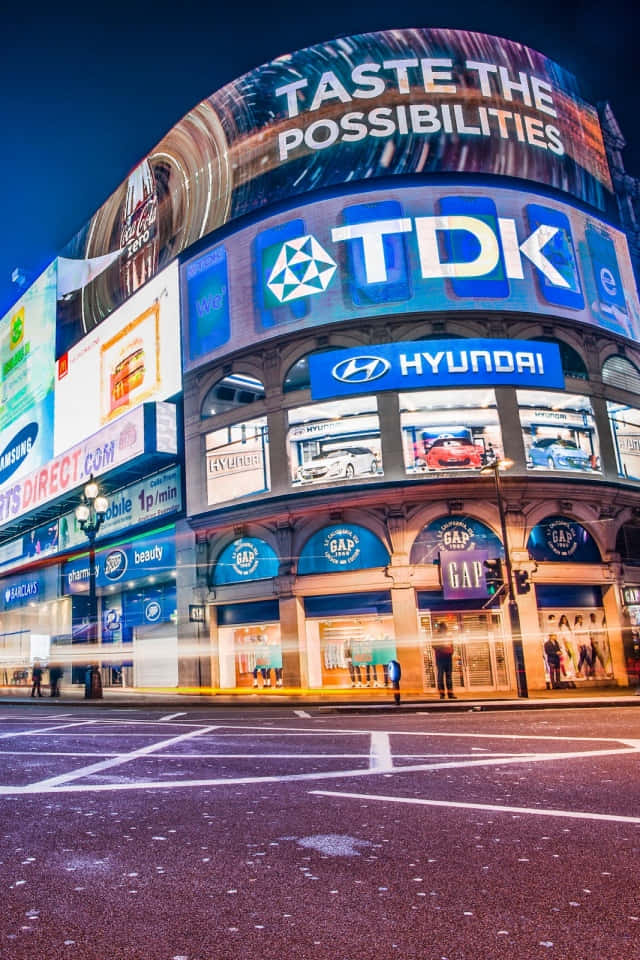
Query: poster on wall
(338, 441)
(374, 105)
(237, 461)
(407, 249)
(133, 357)
(449, 430)
(625, 427)
(559, 431)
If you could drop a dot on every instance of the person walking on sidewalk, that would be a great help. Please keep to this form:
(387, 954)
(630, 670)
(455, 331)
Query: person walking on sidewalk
(36, 678)
(443, 649)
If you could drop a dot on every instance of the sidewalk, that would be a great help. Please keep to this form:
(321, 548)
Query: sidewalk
(326, 703)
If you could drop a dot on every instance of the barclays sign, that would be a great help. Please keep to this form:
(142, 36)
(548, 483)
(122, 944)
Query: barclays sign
(435, 363)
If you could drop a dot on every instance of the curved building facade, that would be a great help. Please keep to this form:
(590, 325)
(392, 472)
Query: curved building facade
(407, 389)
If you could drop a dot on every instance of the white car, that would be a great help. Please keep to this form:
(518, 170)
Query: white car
(339, 464)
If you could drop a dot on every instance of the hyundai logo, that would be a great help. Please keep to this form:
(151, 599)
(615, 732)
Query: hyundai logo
(360, 369)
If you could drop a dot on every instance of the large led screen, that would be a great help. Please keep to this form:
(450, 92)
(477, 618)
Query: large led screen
(237, 461)
(335, 443)
(625, 427)
(449, 430)
(27, 365)
(559, 431)
(407, 250)
(355, 108)
(133, 357)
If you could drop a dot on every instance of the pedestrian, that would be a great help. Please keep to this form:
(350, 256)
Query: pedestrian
(36, 678)
(55, 676)
(394, 673)
(553, 653)
(443, 649)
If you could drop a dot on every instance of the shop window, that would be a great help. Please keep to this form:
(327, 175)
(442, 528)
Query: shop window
(572, 363)
(454, 533)
(297, 376)
(625, 428)
(560, 539)
(559, 431)
(237, 461)
(334, 441)
(619, 372)
(244, 559)
(234, 390)
(449, 430)
(628, 543)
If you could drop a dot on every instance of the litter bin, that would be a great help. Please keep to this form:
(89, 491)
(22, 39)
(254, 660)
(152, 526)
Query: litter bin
(93, 684)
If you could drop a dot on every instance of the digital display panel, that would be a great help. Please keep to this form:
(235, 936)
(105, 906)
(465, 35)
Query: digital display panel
(133, 357)
(336, 442)
(421, 249)
(27, 365)
(237, 461)
(625, 427)
(407, 101)
(449, 430)
(559, 431)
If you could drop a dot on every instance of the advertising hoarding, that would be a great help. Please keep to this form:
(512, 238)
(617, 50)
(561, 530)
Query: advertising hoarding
(434, 363)
(132, 358)
(27, 365)
(397, 102)
(407, 250)
(154, 554)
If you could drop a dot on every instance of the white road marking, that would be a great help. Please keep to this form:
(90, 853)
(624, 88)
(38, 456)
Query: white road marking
(64, 778)
(41, 730)
(493, 807)
(171, 716)
(303, 714)
(380, 752)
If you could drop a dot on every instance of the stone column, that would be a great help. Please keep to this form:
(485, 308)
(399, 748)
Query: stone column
(613, 616)
(292, 638)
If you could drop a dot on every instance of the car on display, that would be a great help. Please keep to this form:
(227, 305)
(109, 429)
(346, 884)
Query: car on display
(345, 463)
(451, 452)
(557, 454)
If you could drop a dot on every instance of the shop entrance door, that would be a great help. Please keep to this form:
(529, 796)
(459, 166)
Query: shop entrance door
(155, 656)
(479, 653)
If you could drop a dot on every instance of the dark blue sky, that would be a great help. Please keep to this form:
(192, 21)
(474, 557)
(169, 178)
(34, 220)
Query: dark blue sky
(86, 92)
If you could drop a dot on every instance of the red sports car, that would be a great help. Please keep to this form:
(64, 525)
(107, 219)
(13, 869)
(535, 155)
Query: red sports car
(453, 452)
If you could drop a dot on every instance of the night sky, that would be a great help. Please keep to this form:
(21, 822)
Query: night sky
(86, 92)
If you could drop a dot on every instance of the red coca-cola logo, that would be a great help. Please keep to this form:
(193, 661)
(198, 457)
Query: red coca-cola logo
(140, 222)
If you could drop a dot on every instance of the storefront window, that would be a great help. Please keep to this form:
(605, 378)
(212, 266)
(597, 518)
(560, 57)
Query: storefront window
(339, 440)
(250, 656)
(559, 431)
(575, 646)
(625, 427)
(238, 461)
(350, 651)
(449, 430)
(479, 656)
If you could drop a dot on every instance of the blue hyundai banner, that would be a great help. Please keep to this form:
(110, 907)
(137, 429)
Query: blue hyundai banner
(416, 364)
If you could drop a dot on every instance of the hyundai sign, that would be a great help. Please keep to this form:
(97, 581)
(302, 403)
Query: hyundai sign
(434, 363)
(408, 250)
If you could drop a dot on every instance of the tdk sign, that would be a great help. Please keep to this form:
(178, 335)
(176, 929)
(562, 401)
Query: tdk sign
(435, 363)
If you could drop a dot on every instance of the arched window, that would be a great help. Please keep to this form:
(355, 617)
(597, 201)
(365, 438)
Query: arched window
(572, 363)
(628, 543)
(234, 390)
(297, 376)
(619, 372)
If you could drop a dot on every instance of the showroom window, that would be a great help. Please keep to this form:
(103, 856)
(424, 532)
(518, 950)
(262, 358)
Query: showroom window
(237, 461)
(559, 431)
(234, 390)
(449, 430)
(619, 372)
(625, 427)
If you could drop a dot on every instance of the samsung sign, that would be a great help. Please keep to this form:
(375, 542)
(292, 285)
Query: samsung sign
(435, 363)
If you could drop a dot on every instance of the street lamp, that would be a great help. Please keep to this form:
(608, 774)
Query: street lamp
(495, 467)
(90, 514)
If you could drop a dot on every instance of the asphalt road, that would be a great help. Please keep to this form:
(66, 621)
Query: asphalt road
(140, 834)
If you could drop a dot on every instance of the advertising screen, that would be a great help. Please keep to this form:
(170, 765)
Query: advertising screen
(559, 431)
(237, 461)
(449, 430)
(133, 357)
(374, 105)
(27, 365)
(625, 427)
(334, 442)
(407, 250)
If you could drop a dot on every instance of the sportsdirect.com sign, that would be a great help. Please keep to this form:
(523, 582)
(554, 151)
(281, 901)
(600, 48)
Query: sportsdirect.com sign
(434, 363)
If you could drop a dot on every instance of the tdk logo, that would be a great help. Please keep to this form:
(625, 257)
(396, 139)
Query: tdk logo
(360, 369)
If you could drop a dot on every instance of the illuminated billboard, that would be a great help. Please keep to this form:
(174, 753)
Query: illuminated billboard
(27, 365)
(133, 357)
(559, 431)
(408, 250)
(396, 102)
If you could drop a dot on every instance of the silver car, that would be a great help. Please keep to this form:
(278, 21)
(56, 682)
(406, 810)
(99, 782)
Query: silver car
(345, 463)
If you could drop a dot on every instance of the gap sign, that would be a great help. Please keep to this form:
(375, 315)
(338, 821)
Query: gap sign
(435, 363)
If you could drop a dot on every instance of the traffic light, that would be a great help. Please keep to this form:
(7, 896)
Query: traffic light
(522, 581)
(493, 576)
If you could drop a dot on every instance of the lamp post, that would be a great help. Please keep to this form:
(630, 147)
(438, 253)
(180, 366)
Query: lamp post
(514, 616)
(90, 514)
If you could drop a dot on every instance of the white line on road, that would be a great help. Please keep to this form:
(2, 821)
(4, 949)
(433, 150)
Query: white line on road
(171, 716)
(493, 807)
(380, 752)
(40, 730)
(303, 714)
